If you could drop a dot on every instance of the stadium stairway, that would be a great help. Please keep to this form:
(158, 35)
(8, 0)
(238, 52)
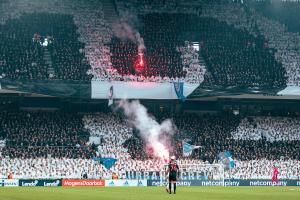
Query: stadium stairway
(110, 13)
(48, 60)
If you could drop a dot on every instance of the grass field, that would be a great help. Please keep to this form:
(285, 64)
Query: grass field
(149, 193)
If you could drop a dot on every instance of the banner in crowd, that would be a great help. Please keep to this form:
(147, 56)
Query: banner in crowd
(58, 88)
(253, 182)
(79, 182)
(9, 182)
(40, 182)
(139, 90)
(125, 183)
(150, 175)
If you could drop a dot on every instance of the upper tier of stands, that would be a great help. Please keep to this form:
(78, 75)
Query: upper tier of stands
(23, 58)
(84, 45)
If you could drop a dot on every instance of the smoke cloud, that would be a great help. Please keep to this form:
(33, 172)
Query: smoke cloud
(124, 31)
(157, 136)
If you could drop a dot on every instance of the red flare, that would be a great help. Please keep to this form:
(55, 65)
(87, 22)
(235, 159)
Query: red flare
(141, 60)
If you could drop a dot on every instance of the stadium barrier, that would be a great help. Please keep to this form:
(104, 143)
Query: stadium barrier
(228, 182)
(40, 182)
(9, 182)
(80, 182)
(125, 183)
(139, 183)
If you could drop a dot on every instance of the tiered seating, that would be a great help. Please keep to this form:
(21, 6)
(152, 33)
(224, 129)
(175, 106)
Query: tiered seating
(39, 135)
(255, 143)
(23, 58)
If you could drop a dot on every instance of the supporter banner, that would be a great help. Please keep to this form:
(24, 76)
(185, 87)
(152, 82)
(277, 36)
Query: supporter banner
(125, 183)
(141, 90)
(59, 88)
(254, 182)
(40, 182)
(138, 90)
(148, 175)
(9, 183)
(78, 182)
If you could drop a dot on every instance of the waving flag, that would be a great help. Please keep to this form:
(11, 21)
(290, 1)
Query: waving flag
(226, 158)
(178, 86)
(188, 148)
(108, 162)
(111, 96)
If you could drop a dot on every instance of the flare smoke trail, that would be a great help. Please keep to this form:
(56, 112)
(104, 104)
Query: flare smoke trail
(155, 135)
(124, 31)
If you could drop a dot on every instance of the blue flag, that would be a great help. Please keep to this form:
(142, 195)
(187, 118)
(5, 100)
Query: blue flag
(188, 149)
(111, 96)
(108, 162)
(178, 86)
(231, 162)
(226, 158)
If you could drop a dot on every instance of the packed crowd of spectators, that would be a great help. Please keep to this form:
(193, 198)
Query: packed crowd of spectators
(160, 58)
(34, 135)
(279, 36)
(286, 12)
(236, 54)
(158, 6)
(279, 33)
(238, 60)
(23, 55)
(20, 57)
(262, 169)
(45, 144)
(269, 128)
(79, 52)
(195, 70)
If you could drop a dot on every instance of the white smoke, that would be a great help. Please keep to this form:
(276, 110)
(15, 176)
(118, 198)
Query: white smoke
(157, 136)
(124, 31)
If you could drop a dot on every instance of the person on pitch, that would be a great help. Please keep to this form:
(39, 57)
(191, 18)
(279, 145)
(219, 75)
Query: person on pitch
(173, 170)
(275, 175)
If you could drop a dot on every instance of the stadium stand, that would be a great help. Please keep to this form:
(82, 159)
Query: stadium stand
(35, 135)
(248, 60)
(50, 144)
(238, 45)
(276, 34)
(284, 35)
(24, 55)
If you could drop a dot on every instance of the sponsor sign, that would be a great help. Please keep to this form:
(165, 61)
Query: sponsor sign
(125, 183)
(179, 183)
(9, 183)
(40, 182)
(78, 182)
(228, 182)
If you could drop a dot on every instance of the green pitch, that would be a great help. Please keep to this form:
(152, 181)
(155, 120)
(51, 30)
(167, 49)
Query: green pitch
(150, 193)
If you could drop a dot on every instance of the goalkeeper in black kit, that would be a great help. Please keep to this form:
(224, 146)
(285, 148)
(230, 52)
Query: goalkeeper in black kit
(173, 170)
